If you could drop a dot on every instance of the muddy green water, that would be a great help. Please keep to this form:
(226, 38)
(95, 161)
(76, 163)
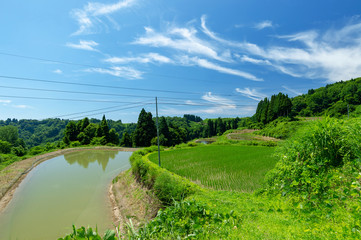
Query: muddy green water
(65, 190)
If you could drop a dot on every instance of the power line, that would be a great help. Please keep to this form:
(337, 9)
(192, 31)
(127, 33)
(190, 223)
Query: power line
(95, 110)
(64, 99)
(90, 93)
(77, 117)
(96, 85)
(93, 66)
(113, 101)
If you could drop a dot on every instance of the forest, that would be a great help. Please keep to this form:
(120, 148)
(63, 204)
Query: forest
(25, 137)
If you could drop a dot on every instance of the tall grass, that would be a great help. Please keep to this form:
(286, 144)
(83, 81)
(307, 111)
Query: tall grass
(221, 167)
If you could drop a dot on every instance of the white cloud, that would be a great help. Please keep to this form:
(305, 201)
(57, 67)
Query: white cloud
(333, 55)
(245, 58)
(184, 40)
(295, 92)
(224, 102)
(91, 16)
(57, 71)
(263, 24)
(322, 56)
(213, 66)
(124, 72)
(144, 58)
(251, 93)
(22, 106)
(5, 102)
(84, 45)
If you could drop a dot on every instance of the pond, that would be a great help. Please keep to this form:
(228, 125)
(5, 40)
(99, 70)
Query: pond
(65, 190)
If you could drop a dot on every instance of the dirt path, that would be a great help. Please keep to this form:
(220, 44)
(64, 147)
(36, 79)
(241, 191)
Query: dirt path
(12, 175)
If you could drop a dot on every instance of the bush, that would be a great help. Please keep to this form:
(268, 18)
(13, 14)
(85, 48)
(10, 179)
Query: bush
(36, 150)
(189, 220)
(5, 147)
(313, 163)
(167, 186)
(18, 151)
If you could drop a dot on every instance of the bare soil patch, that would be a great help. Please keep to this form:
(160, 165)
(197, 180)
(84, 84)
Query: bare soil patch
(247, 135)
(131, 201)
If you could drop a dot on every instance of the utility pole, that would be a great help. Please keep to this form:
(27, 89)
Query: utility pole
(156, 107)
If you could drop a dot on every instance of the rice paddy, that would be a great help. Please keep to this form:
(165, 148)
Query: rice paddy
(221, 167)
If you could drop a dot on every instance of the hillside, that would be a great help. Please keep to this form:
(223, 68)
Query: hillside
(333, 99)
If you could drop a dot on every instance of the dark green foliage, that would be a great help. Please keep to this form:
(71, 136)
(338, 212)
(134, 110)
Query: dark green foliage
(83, 133)
(331, 99)
(126, 140)
(9, 134)
(145, 130)
(71, 132)
(5, 147)
(268, 110)
(164, 134)
(192, 118)
(189, 220)
(18, 151)
(313, 165)
(83, 233)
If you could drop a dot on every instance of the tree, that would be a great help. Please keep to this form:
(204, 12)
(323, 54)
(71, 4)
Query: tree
(164, 130)
(210, 128)
(113, 137)
(9, 134)
(126, 140)
(221, 128)
(70, 132)
(145, 130)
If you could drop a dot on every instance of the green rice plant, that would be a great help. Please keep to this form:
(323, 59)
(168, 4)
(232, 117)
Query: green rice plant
(220, 167)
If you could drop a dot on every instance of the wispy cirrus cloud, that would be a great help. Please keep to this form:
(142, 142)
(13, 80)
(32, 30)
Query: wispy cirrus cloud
(263, 25)
(182, 39)
(92, 16)
(84, 45)
(223, 102)
(192, 50)
(143, 58)
(295, 92)
(123, 72)
(330, 55)
(251, 93)
(216, 67)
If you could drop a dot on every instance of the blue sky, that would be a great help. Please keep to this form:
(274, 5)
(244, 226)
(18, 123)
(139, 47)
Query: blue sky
(72, 59)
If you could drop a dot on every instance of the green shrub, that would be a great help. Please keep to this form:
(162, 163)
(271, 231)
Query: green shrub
(5, 147)
(89, 234)
(167, 186)
(18, 151)
(313, 165)
(75, 144)
(36, 150)
(189, 220)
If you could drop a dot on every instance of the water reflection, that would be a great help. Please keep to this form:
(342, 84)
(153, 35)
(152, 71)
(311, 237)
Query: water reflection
(83, 158)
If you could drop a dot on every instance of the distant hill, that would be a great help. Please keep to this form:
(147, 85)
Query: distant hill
(333, 99)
